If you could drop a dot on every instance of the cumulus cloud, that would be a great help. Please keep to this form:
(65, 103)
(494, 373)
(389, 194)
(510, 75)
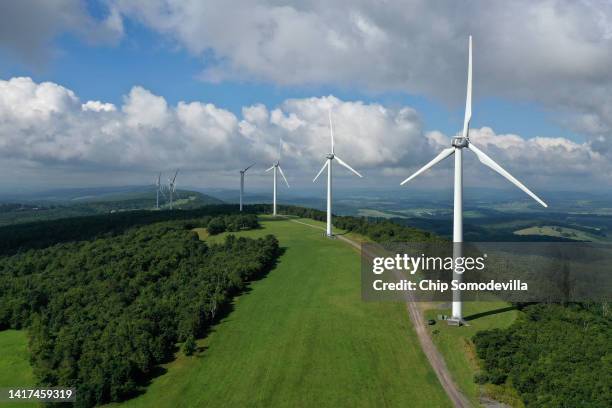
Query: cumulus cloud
(550, 162)
(47, 125)
(555, 52)
(27, 27)
(98, 106)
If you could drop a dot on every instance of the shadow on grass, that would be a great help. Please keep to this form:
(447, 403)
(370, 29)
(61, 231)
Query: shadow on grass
(489, 313)
(222, 315)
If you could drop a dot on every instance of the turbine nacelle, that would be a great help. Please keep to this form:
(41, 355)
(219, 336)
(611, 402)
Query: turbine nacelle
(460, 142)
(330, 156)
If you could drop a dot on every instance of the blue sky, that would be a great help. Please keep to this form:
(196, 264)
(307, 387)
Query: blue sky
(541, 93)
(148, 59)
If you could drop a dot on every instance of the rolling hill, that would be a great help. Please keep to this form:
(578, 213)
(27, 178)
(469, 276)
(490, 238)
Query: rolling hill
(66, 203)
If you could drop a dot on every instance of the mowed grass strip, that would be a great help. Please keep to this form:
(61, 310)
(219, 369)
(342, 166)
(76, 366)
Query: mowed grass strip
(302, 337)
(15, 369)
(455, 343)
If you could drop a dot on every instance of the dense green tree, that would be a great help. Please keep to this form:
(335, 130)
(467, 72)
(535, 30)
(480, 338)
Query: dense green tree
(216, 226)
(102, 313)
(189, 347)
(553, 355)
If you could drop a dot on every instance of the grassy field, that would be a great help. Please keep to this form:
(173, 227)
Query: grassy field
(454, 343)
(15, 370)
(303, 337)
(560, 232)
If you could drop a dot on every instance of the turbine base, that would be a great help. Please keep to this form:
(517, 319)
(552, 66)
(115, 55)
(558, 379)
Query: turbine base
(456, 321)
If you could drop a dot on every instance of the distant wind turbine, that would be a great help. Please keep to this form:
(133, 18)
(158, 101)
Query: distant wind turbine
(242, 183)
(458, 144)
(172, 187)
(276, 166)
(328, 163)
(158, 190)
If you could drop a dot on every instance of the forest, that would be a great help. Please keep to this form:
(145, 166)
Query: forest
(102, 314)
(553, 355)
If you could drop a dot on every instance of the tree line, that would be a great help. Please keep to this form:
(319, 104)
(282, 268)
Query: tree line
(102, 314)
(41, 234)
(377, 229)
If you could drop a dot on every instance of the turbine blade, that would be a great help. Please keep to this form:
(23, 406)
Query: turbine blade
(443, 155)
(321, 171)
(248, 167)
(175, 174)
(331, 131)
(347, 166)
(280, 147)
(468, 98)
(269, 169)
(487, 161)
(283, 174)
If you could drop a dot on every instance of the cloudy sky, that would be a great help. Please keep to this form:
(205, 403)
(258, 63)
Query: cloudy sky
(112, 91)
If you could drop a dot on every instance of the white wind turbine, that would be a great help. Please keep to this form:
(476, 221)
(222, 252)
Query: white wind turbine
(172, 187)
(159, 186)
(458, 144)
(242, 183)
(276, 167)
(328, 163)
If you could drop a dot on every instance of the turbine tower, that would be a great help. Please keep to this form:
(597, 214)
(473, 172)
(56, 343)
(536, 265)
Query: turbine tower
(242, 183)
(172, 187)
(328, 163)
(158, 186)
(160, 189)
(458, 144)
(276, 167)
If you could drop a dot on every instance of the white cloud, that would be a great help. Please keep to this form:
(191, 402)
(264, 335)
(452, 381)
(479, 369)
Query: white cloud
(549, 162)
(143, 109)
(98, 106)
(46, 125)
(555, 52)
(27, 27)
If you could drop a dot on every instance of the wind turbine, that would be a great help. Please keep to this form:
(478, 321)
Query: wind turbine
(172, 187)
(242, 183)
(328, 163)
(158, 185)
(458, 144)
(276, 166)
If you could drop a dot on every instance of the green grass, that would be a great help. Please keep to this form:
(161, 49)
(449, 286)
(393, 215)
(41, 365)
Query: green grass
(455, 344)
(303, 337)
(15, 370)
